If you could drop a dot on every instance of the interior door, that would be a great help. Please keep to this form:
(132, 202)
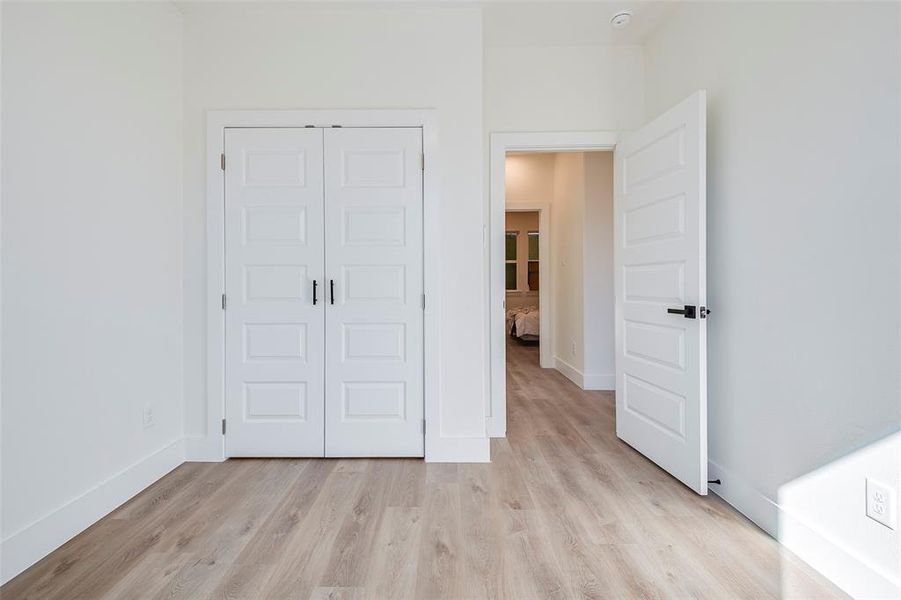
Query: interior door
(374, 317)
(661, 292)
(274, 331)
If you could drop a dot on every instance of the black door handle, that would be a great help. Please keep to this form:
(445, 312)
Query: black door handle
(688, 311)
(315, 285)
(331, 285)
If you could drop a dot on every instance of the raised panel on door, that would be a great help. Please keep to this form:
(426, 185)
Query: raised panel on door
(660, 264)
(374, 329)
(274, 334)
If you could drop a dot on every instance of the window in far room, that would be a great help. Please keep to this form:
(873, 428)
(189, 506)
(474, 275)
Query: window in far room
(510, 256)
(533, 261)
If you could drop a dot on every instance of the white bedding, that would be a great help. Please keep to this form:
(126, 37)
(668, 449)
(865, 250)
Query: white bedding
(523, 321)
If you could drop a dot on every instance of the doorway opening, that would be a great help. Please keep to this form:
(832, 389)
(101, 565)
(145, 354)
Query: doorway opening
(558, 265)
(539, 317)
(658, 225)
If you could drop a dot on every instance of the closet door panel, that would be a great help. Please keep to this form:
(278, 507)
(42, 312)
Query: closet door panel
(374, 320)
(274, 334)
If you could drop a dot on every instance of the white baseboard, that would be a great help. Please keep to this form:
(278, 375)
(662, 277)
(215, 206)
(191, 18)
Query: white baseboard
(32, 543)
(850, 572)
(204, 449)
(585, 381)
(496, 428)
(568, 371)
(603, 383)
(458, 450)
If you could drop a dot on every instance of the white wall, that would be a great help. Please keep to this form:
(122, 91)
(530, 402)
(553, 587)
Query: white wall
(562, 88)
(290, 57)
(582, 254)
(554, 67)
(91, 264)
(597, 267)
(529, 178)
(567, 217)
(803, 236)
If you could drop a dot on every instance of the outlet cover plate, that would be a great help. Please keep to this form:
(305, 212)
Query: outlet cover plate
(881, 503)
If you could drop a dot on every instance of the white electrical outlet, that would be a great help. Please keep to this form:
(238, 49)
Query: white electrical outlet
(881, 503)
(148, 416)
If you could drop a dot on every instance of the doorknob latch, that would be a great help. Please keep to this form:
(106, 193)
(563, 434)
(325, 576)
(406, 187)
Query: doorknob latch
(690, 311)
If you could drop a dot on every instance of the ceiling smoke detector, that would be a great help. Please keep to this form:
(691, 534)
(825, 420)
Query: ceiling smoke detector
(621, 20)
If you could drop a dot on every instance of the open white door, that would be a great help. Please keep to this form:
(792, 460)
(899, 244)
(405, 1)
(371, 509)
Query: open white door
(660, 260)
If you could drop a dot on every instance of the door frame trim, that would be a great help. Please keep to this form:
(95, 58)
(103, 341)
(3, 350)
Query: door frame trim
(500, 144)
(211, 445)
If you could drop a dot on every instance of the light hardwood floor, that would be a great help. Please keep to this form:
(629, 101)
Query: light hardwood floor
(564, 510)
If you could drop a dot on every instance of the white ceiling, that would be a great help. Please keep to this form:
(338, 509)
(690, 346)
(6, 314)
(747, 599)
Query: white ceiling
(568, 23)
(518, 22)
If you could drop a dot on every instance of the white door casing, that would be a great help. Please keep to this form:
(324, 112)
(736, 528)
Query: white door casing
(660, 264)
(274, 334)
(374, 328)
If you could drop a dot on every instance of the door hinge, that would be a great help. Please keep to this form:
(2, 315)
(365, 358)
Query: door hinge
(222, 161)
(223, 426)
(423, 302)
(423, 427)
(223, 301)
(422, 161)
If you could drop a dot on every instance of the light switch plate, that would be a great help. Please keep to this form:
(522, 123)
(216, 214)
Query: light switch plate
(881, 503)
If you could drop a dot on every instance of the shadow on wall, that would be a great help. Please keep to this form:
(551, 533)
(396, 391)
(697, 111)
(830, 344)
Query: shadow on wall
(821, 517)
(845, 538)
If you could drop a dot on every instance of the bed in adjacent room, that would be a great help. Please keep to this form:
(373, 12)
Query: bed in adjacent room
(523, 323)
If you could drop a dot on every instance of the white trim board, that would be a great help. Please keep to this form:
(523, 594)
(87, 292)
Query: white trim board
(850, 572)
(586, 381)
(500, 145)
(35, 541)
(211, 446)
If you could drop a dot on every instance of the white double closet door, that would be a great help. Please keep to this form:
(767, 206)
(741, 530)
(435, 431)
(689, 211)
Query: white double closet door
(324, 284)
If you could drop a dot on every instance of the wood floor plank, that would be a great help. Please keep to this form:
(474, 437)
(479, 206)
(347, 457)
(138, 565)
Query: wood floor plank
(480, 530)
(352, 553)
(267, 547)
(408, 486)
(308, 551)
(396, 554)
(530, 568)
(440, 550)
(564, 510)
